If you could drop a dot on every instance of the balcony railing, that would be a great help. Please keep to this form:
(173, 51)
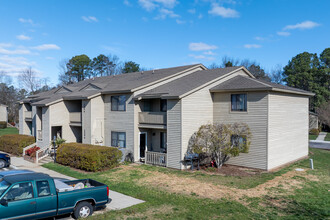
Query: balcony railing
(75, 117)
(28, 114)
(152, 118)
(39, 135)
(155, 158)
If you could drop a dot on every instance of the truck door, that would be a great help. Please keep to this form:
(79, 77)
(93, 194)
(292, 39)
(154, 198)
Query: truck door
(46, 199)
(18, 202)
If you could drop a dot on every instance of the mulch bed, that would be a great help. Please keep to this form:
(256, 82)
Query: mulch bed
(230, 170)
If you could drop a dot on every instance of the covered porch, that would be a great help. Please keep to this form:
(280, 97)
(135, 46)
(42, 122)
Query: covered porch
(153, 146)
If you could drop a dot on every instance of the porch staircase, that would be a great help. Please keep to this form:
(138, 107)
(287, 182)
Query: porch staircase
(45, 160)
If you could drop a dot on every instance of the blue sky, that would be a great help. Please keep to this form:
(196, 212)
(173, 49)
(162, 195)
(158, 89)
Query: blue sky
(158, 33)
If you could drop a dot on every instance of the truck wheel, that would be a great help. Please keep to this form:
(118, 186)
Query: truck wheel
(2, 163)
(83, 210)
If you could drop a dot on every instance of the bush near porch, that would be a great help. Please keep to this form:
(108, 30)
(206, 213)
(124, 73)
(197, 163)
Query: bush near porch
(88, 157)
(14, 143)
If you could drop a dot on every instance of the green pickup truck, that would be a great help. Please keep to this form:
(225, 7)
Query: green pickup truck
(29, 195)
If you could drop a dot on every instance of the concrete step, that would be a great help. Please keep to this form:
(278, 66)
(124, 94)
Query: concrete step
(46, 160)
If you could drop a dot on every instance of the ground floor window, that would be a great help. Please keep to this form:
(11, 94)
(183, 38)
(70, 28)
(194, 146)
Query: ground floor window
(238, 141)
(163, 141)
(118, 139)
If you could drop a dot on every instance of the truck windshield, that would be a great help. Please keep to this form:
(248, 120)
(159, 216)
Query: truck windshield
(3, 186)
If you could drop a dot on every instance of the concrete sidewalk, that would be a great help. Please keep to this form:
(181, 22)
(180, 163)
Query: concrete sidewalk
(321, 136)
(119, 200)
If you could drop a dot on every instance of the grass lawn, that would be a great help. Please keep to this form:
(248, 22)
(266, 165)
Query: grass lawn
(172, 194)
(327, 138)
(8, 131)
(312, 137)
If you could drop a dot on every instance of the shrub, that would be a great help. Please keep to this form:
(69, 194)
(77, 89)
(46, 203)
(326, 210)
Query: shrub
(314, 131)
(3, 124)
(88, 157)
(14, 143)
(32, 151)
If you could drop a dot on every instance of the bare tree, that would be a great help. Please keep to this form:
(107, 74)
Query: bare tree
(276, 74)
(29, 80)
(324, 113)
(221, 141)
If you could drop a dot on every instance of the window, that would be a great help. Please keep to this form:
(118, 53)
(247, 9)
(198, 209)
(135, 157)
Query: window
(163, 105)
(118, 139)
(238, 141)
(19, 191)
(238, 102)
(118, 103)
(163, 141)
(147, 106)
(3, 186)
(43, 188)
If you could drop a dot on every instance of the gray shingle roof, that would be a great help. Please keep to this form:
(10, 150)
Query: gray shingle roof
(187, 83)
(107, 84)
(245, 83)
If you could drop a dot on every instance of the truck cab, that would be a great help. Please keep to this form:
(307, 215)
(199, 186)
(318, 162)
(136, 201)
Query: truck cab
(35, 196)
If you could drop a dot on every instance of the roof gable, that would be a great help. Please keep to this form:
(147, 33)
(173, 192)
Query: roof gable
(63, 89)
(90, 87)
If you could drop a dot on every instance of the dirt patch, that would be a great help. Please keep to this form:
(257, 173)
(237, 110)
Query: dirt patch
(192, 186)
(150, 213)
(229, 170)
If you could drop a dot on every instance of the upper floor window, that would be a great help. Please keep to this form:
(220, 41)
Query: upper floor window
(147, 105)
(163, 105)
(118, 139)
(239, 102)
(118, 103)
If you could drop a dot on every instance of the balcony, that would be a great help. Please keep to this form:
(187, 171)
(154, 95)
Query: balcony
(152, 119)
(28, 115)
(75, 118)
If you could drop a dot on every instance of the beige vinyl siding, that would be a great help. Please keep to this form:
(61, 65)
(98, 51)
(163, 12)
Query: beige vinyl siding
(197, 109)
(86, 121)
(97, 120)
(288, 128)
(255, 117)
(3, 113)
(59, 116)
(46, 129)
(174, 134)
(120, 121)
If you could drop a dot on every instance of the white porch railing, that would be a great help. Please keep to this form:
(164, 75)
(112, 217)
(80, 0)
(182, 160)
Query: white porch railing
(155, 158)
(28, 114)
(42, 153)
(28, 147)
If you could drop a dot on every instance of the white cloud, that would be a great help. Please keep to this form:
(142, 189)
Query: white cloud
(89, 18)
(249, 46)
(302, 26)
(164, 13)
(127, 3)
(150, 5)
(201, 46)
(192, 11)
(8, 49)
(259, 38)
(202, 57)
(209, 53)
(178, 21)
(28, 21)
(217, 10)
(47, 47)
(200, 16)
(23, 37)
(14, 65)
(283, 33)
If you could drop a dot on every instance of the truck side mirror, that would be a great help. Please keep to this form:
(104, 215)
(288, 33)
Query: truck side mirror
(3, 202)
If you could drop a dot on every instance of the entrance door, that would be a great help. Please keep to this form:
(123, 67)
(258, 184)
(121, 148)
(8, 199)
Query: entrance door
(143, 144)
